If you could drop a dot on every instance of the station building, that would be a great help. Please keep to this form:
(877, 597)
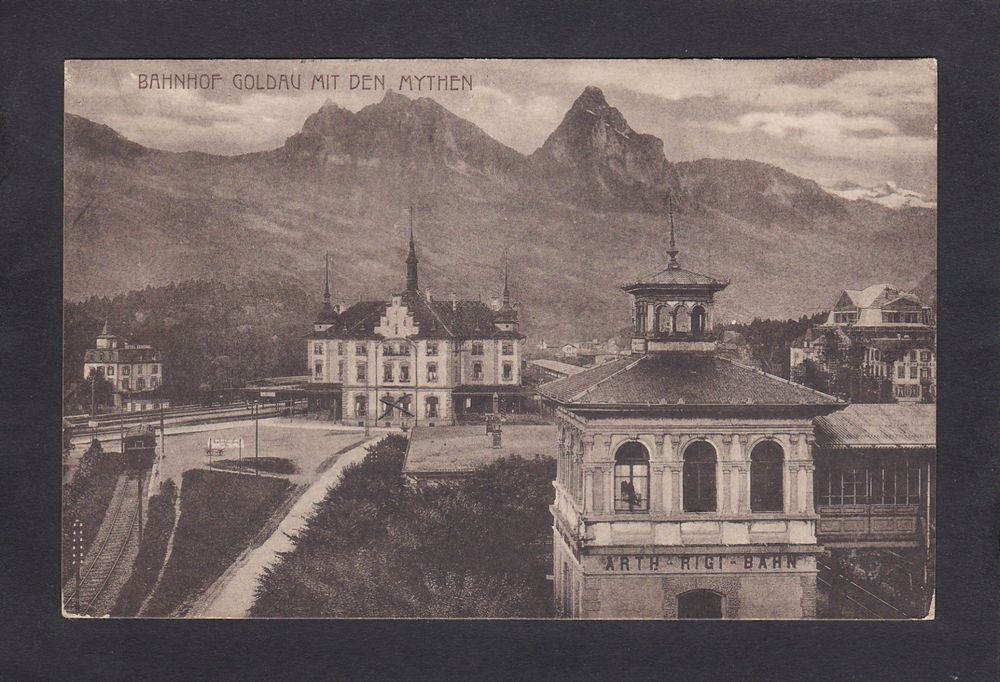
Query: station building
(685, 480)
(413, 360)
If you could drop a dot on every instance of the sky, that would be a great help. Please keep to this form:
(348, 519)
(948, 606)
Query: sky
(867, 122)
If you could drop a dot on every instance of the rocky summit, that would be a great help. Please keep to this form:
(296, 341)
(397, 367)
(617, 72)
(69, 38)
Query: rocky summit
(581, 214)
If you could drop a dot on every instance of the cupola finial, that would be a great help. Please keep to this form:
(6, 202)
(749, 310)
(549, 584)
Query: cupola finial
(673, 244)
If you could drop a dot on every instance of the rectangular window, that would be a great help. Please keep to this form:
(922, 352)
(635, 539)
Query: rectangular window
(913, 371)
(431, 407)
(318, 370)
(913, 356)
(925, 356)
(508, 371)
(843, 487)
(897, 483)
(140, 384)
(387, 372)
(432, 372)
(632, 486)
(508, 348)
(432, 348)
(111, 371)
(124, 384)
(404, 372)
(340, 347)
(901, 371)
(126, 370)
(477, 370)
(317, 349)
(362, 372)
(140, 368)
(340, 371)
(156, 369)
(925, 373)
(477, 348)
(359, 349)
(900, 391)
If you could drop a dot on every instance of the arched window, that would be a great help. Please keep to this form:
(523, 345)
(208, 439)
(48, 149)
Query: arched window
(766, 479)
(360, 406)
(663, 320)
(697, 320)
(632, 477)
(699, 477)
(699, 604)
(431, 406)
(682, 319)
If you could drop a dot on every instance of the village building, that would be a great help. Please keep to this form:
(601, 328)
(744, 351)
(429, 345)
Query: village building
(134, 370)
(882, 334)
(413, 360)
(684, 486)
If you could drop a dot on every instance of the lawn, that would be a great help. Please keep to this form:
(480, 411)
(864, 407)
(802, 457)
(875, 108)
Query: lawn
(377, 547)
(221, 514)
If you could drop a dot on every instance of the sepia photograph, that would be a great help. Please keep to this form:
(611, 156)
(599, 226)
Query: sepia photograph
(500, 339)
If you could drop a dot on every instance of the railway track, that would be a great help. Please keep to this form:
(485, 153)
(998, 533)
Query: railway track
(112, 423)
(107, 558)
(861, 600)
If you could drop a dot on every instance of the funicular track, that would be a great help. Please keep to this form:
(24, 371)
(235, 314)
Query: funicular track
(867, 603)
(97, 574)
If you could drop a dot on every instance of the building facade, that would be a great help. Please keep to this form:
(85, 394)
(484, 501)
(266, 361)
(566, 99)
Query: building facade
(131, 368)
(685, 480)
(885, 336)
(413, 360)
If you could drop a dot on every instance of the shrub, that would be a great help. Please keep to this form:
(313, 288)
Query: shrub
(478, 547)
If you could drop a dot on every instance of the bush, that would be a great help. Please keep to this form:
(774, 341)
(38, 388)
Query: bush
(478, 547)
(87, 498)
(152, 551)
(220, 515)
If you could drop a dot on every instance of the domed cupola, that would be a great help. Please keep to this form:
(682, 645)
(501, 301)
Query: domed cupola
(673, 308)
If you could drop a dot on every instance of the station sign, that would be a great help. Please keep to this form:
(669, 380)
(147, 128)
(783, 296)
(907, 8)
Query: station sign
(700, 563)
(268, 394)
(224, 443)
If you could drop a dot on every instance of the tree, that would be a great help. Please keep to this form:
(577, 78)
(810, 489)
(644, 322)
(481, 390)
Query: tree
(102, 390)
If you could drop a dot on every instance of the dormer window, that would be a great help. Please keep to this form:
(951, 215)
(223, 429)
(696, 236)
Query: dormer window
(432, 348)
(508, 348)
(317, 349)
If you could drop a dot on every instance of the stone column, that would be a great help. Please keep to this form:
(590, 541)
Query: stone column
(588, 490)
(609, 490)
(810, 470)
(676, 472)
(744, 492)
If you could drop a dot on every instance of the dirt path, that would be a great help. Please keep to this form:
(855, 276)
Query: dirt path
(233, 594)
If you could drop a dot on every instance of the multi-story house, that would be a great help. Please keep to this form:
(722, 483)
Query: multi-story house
(132, 369)
(413, 359)
(883, 335)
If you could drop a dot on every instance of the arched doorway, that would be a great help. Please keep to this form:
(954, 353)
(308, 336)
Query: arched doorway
(699, 477)
(766, 477)
(699, 604)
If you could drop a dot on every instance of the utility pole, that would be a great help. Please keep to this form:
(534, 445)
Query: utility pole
(77, 549)
(256, 434)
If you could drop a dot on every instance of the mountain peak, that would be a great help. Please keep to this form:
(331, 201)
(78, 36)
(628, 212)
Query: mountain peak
(591, 96)
(602, 158)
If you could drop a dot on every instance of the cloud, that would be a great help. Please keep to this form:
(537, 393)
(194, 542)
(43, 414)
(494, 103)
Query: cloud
(832, 134)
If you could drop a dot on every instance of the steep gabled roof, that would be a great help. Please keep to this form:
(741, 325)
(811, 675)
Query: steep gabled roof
(680, 379)
(435, 319)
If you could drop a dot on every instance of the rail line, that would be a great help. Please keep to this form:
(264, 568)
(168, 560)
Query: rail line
(111, 550)
(858, 595)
